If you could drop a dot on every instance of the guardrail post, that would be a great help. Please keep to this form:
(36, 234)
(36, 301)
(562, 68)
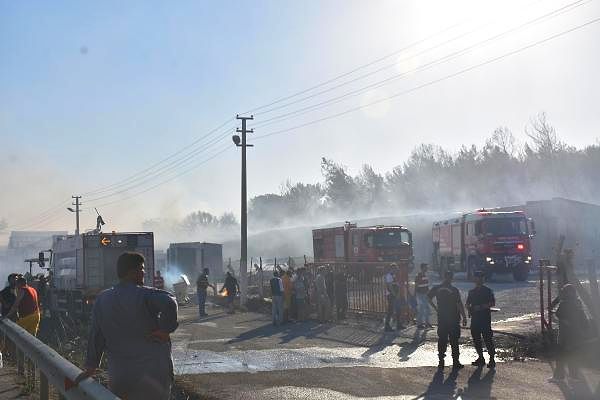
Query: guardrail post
(44, 390)
(20, 362)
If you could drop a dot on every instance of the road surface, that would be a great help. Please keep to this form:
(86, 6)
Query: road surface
(243, 356)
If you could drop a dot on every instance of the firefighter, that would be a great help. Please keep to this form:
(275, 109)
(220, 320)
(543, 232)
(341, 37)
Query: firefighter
(479, 302)
(159, 281)
(449, 310)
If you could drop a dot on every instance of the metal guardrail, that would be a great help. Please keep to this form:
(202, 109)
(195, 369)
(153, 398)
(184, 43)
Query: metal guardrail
(53, 369)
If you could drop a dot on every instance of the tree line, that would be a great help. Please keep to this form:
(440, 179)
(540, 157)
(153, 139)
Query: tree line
(502, 172)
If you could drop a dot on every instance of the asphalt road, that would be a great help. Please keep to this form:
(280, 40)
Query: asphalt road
(243, 356)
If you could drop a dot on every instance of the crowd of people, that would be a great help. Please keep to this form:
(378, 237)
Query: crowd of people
(132, 323)
(295, 292)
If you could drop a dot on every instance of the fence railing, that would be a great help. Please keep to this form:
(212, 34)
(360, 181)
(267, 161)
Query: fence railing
(53, 370)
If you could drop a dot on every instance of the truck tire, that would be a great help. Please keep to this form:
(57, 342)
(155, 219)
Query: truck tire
(521, 273)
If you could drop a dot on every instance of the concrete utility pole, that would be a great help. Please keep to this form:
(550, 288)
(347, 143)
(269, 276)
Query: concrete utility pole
(76, 211)
(244, 233)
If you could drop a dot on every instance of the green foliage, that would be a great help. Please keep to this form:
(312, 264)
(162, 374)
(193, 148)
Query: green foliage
(502, 172)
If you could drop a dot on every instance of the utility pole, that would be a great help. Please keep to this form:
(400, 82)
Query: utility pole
(244, 217)
(76, 204)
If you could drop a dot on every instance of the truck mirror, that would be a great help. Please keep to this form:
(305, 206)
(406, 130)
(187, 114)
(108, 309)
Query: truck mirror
(41, 259)
(531, 227)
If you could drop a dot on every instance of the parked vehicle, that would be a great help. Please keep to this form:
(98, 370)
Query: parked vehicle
(491, 241)
(370, 244)
(83, 265)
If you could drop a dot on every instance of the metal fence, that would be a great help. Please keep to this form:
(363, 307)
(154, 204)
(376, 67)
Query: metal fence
(365, 283)
(40, 364)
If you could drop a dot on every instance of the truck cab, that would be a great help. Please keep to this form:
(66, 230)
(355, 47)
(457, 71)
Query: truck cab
(490, 241)
(351, 243)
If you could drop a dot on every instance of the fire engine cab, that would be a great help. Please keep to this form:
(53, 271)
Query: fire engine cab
(490, 241)
(350, 243)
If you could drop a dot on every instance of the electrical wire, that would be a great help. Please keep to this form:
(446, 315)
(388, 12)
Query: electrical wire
(446, 77)
(364, 66)
(439, 61)
(159, 163)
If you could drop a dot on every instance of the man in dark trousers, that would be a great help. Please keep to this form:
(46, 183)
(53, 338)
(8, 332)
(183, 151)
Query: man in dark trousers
(480, 300)
(202, 286)
(449, 310)
(572, 328)
(232, 287)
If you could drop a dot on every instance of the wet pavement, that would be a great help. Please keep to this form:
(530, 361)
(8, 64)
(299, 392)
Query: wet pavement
(242, 356)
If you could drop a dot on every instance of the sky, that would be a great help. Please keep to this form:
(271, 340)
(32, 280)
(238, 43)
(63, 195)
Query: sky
(94, 92)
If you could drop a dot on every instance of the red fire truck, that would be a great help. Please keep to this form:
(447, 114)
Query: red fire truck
(350, 243)
(489, 241)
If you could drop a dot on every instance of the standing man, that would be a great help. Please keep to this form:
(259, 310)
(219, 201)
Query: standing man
(449, 309)
(421, 290)
(202, 286)
(276, 298)
(28, 307)
(131, 323)
(232, 287)
(159, 281)
(300, 294)
(391, 294)
(323, 304)
(287, 294)
(8, 296)
(572, 327)
(480, 300)
(341, 295)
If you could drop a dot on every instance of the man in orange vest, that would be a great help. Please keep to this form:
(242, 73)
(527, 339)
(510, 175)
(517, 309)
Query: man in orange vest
(27, 307)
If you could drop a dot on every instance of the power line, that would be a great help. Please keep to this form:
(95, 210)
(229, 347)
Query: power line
(223, 150)
(446, 58)
(170, 167)
(461, 72)
(363, 66)
(387, 66)
(181, 150)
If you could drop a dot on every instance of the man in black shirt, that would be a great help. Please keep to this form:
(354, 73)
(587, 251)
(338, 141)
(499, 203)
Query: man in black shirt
(449, 309)
(202, 286)
(479, 302)
(7, 295)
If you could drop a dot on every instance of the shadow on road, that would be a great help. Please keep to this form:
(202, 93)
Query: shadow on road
(440, 387)
(408, 348)
(478, 387)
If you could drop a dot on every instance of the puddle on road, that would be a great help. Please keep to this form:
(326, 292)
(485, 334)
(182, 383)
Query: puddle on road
(526, 317)
(189, 361)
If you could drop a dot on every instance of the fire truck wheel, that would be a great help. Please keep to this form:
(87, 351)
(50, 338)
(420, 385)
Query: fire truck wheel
(521, 273)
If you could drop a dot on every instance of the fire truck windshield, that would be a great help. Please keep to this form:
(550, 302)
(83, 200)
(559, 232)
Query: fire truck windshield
(505, 226)
(389, 239)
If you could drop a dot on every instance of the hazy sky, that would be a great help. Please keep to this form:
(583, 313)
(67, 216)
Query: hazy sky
(92, 92)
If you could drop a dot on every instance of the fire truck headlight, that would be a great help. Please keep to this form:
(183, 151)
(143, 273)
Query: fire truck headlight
(489, 259)
(528, 258)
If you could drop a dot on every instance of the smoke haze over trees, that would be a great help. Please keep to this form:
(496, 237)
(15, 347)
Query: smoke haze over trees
(501, 172)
